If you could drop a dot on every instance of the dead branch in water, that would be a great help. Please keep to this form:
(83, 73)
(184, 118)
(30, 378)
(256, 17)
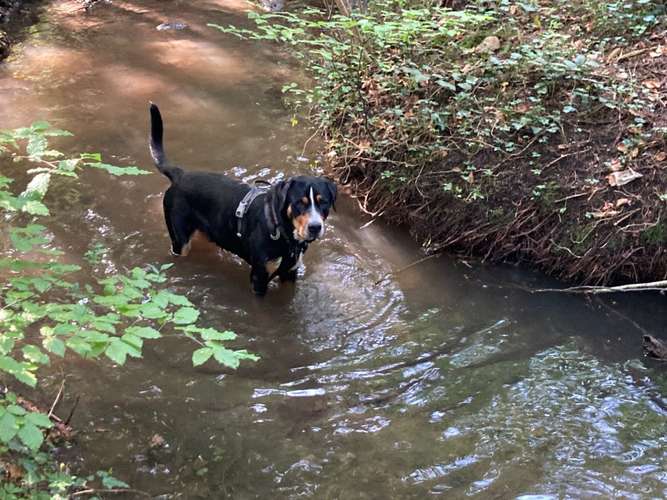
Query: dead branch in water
(393, 273)
(653, 286)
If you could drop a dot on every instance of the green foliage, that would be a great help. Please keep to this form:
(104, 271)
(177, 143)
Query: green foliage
(48, 308)
(410, 85)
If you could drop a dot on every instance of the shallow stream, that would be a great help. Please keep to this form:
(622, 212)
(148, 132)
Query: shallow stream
(444, 379)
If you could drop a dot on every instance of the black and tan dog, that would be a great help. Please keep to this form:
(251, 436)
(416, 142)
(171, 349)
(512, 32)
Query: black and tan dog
(273, 231)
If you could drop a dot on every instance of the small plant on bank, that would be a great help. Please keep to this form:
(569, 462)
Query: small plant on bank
(51, 308)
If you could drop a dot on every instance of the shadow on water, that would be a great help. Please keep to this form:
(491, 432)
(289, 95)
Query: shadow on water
(446, 379)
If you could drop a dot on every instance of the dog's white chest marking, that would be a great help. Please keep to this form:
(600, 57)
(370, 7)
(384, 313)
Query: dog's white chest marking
(273, 265)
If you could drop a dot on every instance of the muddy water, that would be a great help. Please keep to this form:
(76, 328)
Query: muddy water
(445, 379)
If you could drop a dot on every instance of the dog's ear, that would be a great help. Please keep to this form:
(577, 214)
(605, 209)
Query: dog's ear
(275, 203)
(280, 195)
(333, 192)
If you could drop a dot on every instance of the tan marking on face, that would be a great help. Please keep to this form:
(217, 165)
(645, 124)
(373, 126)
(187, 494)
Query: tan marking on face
(305, 200)
(273, 265)
(300, 223)
(318, 198)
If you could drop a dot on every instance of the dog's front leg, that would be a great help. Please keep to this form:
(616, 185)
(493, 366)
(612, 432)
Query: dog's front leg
(259, 279)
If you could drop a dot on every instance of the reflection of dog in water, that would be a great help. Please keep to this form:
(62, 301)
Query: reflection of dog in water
(268, 228)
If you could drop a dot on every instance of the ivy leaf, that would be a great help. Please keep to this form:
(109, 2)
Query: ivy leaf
(8, 427)
(31, 436)
(201, 356)
(185, 316)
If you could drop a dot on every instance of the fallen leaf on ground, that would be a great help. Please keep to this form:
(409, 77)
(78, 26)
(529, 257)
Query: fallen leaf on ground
(623, 177)
(489, 44)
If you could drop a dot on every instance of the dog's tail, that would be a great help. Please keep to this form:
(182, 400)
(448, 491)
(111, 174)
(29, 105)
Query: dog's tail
(173, 173)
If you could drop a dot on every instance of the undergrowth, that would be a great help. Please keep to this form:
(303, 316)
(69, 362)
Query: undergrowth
(508, 129)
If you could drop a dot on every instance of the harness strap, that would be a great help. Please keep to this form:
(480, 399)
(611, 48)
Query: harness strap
(245, 203)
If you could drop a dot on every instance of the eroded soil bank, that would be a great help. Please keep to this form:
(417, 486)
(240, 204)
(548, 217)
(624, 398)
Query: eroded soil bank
(515, 132)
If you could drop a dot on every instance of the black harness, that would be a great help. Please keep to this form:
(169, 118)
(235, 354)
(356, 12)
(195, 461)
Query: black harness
(260, 187)
(296, 248)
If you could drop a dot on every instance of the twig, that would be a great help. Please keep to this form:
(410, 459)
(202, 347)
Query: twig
(93, 491)
(634, 53)
(71, 413)
(57, 400)
(634, 287)
(423, 259)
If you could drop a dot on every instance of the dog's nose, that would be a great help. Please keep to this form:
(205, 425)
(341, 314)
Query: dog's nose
(315, 228)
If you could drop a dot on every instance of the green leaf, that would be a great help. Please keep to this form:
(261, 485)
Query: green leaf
(54, 345)
(153, 311)
(19, 370)
(96, 157)
(39, 419)
(16, 410)
(145, 332)
(34, 207)
(201, 356)
(110, 482)
(185, 316)
(37, 187)
(213, 334)
(225, 357)
(114, 170)
(34, 354)
(117, 352)
(134, 341)
(8, 427)
(37, 144)
(31, 436)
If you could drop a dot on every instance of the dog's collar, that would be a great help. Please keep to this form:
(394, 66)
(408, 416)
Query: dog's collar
(260, 187)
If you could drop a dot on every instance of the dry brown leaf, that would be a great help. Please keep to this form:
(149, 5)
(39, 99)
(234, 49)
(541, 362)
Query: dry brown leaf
(615, 165)
(489, 44)
(522, 108)
(661, 156)
(623, 177)
(621, 202)
(651, 84)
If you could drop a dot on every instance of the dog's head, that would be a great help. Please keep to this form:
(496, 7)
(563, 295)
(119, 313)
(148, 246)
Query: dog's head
(302, 204)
